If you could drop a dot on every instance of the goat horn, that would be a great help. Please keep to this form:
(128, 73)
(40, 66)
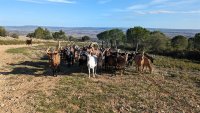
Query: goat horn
(47, 51)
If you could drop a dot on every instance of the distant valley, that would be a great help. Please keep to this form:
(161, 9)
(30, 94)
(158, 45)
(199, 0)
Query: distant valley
(93, 31)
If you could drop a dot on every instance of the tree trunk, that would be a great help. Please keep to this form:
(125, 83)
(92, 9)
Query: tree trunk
(111, 42)
(116, 44)
(136, 48)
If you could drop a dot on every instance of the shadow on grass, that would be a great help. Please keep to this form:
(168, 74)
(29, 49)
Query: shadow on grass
(40, 68)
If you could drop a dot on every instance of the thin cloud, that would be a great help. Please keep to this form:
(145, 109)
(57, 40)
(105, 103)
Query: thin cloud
(160, 7)
(154, 12)
(45, 1)
(144, 6)
(62, 1)
(161, 12)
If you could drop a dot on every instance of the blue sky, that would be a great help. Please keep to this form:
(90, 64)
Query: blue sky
(181, 14)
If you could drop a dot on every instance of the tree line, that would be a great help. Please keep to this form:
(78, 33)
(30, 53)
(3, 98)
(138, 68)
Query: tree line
(44, 33)
(141, 39)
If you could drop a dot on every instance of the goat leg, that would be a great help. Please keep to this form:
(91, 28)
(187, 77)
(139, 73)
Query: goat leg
(89, 72)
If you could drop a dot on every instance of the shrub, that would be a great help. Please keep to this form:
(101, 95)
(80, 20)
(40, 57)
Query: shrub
(14, 35)
(3, 32)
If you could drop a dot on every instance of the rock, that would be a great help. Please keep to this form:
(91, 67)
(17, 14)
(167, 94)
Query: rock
(2, 105)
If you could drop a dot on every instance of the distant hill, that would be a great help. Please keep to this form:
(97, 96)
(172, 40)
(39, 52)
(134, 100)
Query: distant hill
(93, 31)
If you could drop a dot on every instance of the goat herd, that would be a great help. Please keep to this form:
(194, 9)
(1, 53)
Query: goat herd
(97, 59)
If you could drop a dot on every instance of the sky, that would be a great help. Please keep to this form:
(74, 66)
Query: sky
(173, 14)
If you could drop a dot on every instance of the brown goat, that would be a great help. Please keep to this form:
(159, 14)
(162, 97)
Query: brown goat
(142, 61)
(121, 62)
(29, 42)
(54, 61)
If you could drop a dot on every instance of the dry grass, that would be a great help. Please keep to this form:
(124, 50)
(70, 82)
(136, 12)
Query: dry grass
(173, 87)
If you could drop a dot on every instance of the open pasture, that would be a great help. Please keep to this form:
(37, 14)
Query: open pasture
(26, 84)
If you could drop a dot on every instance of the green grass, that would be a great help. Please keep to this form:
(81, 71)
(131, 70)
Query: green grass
(182, 64)
(11, 42)
(23, 50)
(16, 42)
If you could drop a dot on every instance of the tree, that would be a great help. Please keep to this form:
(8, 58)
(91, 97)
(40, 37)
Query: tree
(71, 38)
(47, 34)
(197, 41)
(85, 38)
(137, 35)
(30, 35)
(179, 42)
(116, 35)
(191, 44)
(59, 35)
(157, 41)
(3, 32)
(39, 33)
(104, 36)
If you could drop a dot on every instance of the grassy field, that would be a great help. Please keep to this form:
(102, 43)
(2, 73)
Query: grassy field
(174, 86)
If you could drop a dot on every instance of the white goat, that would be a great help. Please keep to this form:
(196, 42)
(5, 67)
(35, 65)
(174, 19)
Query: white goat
(92, 64)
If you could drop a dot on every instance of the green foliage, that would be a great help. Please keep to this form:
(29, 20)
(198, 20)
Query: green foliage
(30, 35)
(114, 36)
(47, 34)
(157, 41)
(3, 32)
(40, 33)
(85, 38)
(59, 35)
(14, 35)
(179, 42)
(103, 35)
(137, 36)
(191, 44)
(197, 41)
(72, 38)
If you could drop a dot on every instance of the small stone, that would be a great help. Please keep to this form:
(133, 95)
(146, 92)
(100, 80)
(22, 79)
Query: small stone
(2, 105)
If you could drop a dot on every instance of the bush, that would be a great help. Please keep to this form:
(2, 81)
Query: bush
(85, 38)
(14, 35)
(59, 35)
(191, 55)
(3, 32)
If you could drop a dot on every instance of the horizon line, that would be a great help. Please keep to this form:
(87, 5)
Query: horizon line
(97, 27)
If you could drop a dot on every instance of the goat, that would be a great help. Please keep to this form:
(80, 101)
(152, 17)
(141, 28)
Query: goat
(82, 61)
(92, 64)
(147, 63)
(100, 62)
(54, 61)
(142, 61)
(29, 42)
(121, 62)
